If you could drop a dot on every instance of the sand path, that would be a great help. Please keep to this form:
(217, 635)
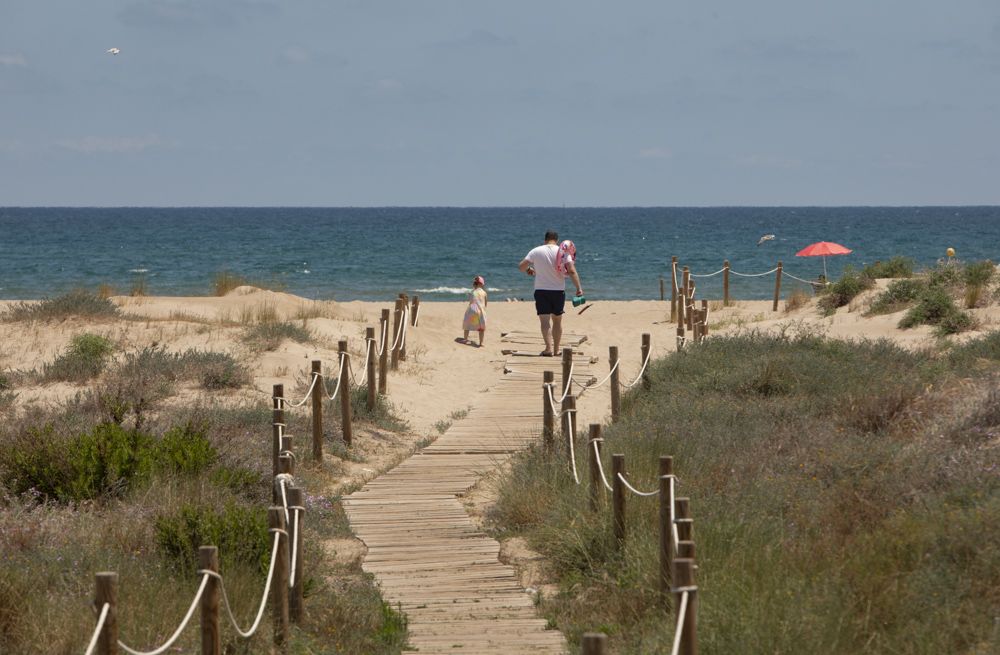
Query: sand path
(424, 549)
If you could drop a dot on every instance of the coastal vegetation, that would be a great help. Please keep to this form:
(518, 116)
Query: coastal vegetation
(78, 303)
(845, 496)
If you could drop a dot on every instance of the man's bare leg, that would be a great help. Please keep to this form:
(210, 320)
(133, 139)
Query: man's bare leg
(545, 320)
(556, 333)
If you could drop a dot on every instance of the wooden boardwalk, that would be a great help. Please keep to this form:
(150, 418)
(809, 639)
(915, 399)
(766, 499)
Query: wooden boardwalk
(425, 551)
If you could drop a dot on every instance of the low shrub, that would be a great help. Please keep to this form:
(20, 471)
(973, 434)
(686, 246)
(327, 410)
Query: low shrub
(936, 307)
(382, 415)
(80, 303)
(241, 481)
(240, 533)
(843, 291)
(136, 385)
(107, 460)
(214, 370)
(185, 449)
(798, 298)
(897, 267)
(84, 359)
(947, 274)
(898, 295)
(268, 336)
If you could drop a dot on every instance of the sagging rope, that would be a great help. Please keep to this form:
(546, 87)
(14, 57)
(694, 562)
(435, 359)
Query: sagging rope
(416, 316)
(755, 274)
(600, 467)
(97, 630)
(340, 375)
(290, 405)
(350, 368)
(708, 274)
(267, 589)
(180, 628)
(281, 479)
(809, 282)
(608, 376)
(385, 335)
(636, 491)
(631, 384)
(681, 615)
(572, 438)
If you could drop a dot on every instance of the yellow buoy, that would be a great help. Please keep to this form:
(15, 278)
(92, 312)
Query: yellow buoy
(950, 252)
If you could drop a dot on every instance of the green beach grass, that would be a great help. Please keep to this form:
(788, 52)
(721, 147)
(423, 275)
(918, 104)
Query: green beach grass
(846, 498)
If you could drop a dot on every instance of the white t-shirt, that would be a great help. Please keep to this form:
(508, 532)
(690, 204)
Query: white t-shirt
(543, 259)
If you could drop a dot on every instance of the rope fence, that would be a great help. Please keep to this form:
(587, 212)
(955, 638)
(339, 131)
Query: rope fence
(675, 568)
(283, 586)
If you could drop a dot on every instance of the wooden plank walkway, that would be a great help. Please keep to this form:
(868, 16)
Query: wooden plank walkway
(425, 551)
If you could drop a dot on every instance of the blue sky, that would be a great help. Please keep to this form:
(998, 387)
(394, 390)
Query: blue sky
(309, 102)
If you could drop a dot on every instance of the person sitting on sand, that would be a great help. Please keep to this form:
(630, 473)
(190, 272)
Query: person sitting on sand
(549, 264)
(475, 313)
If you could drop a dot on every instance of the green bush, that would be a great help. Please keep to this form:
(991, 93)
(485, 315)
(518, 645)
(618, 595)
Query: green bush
(948, 274)
(268, 336)
(894, 268)
(240, 533)
(84, 359)
(241, 481)
(841, 292)
(185, 449)
(75, 303)
(936, 307)
(898, 295)
(107, 460)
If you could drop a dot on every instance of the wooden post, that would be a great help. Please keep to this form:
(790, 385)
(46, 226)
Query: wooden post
(287, 451)
(689, 307)
(662, 295)
(277, 422)
(396, 318)
(673, 288)
(106, 591)
(685, 524)
(345, 392)
(402, 340)
(548, 416)
(725, 283)
(682, 296)
(211, 641)
(279, 586)
(685, 549)
(567, 366)
(284, 468)
(569, 419)
(317, 410)
(666, 531)
(680, 337)
(644, 349)
(370, 348)
(414, 310)
(777, 289)
(594, 643)
(684, 581)
(593, 453)
(295, 605)
(704, 318)
(618, 497)
(383, 359)
(616, 388)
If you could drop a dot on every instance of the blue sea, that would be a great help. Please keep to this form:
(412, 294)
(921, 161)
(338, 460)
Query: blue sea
(375, 253)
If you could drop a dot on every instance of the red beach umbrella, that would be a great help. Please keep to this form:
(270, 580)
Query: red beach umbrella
(822, 249)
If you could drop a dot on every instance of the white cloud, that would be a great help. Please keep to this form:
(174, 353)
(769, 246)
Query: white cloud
(12, 61)
(112, 144)
(655, 153)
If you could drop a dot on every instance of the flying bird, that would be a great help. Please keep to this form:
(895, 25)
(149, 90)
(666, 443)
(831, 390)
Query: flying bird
(766, 237)
(113, 51)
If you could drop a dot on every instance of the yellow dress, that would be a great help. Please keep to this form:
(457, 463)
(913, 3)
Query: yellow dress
(475, 313)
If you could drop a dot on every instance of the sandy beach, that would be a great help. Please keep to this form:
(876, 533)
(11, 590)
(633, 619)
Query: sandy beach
(441, 376)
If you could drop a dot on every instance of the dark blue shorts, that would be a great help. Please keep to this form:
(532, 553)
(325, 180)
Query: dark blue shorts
(549, 302)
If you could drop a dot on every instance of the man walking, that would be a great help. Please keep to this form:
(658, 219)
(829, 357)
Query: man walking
(549, 264)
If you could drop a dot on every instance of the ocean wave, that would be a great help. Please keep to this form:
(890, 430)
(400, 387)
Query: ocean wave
(138, 270)
(454, 290)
